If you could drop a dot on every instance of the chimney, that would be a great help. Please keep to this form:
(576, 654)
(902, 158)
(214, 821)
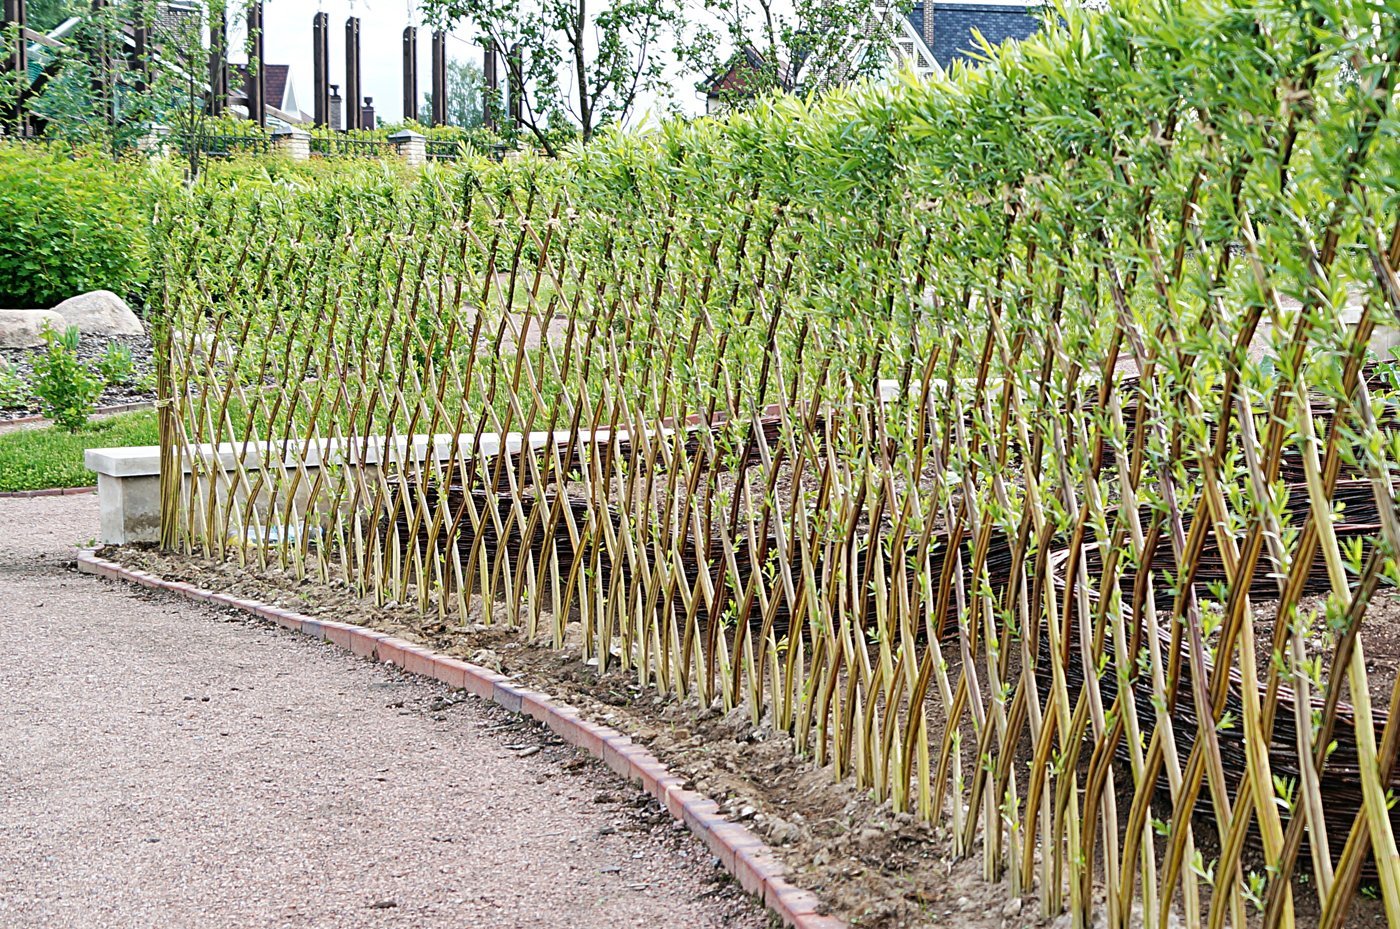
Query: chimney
(335, 107)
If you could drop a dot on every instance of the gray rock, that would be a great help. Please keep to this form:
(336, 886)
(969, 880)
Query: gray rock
(783, 832)
(25, 328)
(100, 313)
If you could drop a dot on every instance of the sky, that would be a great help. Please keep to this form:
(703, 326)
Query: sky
(287, 38)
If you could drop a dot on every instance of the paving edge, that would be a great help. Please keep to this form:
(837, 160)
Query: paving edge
(742, 854)
(46, 492)
(137, 406)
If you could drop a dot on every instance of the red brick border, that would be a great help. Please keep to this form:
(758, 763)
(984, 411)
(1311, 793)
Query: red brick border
(46, 492)
(742, 853)
(134, 407)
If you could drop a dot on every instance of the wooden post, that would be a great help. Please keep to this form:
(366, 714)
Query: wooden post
(352, 73)
(410, 72)
(101, 57)
(491, 79)
(141, 51)
(514, 72)
(17, 64)
(439, 115)
(321, 69)
(257, 66)
(218, 64)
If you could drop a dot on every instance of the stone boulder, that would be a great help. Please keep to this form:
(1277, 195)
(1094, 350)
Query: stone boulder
(25, 328)
(100, 313)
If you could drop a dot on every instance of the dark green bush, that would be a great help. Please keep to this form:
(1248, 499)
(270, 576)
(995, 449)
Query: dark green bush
(69, 225)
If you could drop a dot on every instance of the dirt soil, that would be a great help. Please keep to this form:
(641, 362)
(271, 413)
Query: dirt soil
(141, 388)
(871, 867)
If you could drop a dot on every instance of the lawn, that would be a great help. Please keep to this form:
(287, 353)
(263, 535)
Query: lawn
(34, 459)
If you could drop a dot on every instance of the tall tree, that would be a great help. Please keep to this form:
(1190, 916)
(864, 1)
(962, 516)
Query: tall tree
(577, 65)
(464, 96)
(804, 46)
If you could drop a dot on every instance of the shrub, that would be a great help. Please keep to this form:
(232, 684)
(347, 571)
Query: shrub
(66, 387)
(116, 366)
(69, 224)
(14, 392)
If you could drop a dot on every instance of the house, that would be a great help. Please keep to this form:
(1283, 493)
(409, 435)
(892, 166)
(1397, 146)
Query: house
(746, 75)
(945, 27)
(278, 92)
(927, 39)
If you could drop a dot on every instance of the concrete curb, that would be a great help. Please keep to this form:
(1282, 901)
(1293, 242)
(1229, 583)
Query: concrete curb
(46, 492)
(743, 854)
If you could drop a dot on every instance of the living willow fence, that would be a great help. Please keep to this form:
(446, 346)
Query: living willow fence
(1009, 440)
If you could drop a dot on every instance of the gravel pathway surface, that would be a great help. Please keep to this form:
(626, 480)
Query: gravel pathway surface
(163, 764)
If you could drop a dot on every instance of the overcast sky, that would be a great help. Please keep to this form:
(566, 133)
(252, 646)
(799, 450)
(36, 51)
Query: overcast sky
(287, 37)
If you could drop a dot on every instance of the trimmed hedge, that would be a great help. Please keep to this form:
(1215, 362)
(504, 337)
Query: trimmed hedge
(69, 224)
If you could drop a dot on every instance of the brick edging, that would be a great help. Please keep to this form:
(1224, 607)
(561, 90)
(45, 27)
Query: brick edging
(46, 492)
(743, 854)
(135, 406)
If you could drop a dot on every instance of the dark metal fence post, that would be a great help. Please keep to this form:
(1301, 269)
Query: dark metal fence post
(218, 64)
(515, 74)
(491, 89)
(141, 50)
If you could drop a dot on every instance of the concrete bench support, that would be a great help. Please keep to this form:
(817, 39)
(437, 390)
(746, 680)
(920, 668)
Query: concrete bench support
(128, 493)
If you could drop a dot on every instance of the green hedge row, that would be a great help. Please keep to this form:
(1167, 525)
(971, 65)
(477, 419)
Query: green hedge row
(70, 222)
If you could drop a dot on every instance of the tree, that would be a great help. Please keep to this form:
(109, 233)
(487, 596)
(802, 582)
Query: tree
(464, 96)
(45, 15)
(578, 64)
(96, 88)
(814, 46)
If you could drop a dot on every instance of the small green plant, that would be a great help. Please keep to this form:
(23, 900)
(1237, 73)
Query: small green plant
(66, 387)
(117, 366)
(14, 392)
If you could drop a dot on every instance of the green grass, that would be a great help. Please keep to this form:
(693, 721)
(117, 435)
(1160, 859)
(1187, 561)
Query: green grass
(35, 459)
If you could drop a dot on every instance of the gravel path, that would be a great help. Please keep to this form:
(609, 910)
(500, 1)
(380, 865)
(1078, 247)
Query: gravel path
(164, 764)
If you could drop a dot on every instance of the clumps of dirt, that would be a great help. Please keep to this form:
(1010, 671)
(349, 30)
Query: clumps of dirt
(871, 867)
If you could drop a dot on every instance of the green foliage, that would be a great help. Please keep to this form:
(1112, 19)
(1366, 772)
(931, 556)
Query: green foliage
(464, 96)
(1052, 259)
(813, 46)
(576, 66)
(14, 391)
(37, 459)
(97, 94)
(44, 15)
(69, 224)
(116, 366)
(66, 387)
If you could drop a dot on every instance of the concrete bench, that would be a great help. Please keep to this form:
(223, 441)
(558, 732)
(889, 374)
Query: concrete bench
(128, 479)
